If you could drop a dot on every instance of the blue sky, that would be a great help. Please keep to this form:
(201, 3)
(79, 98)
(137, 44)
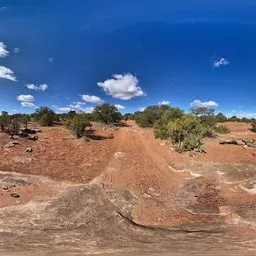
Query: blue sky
(76, 54)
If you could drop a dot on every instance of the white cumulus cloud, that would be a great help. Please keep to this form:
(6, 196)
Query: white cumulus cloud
(141, 109)
(16, 50)
(164, 102)
(27, 104)
(206, 104)
(64, 109)
(3, 51)
(241, 114)
(41, 87)
(76, 106)
(26, 98)
(221, 62)
(7, 73)
(122, 87)
(118, 106)
(92, 99)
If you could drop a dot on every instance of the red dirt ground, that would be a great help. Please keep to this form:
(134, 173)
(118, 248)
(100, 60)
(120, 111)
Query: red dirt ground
(142, 166)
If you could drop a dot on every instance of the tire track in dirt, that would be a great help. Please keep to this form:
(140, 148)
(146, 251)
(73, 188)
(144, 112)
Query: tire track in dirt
(140, 166)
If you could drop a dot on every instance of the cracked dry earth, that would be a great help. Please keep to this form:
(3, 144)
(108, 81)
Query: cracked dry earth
(140, 198)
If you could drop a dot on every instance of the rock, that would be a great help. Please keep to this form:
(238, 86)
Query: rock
(12, 144)
(252, 145)
(38, 130)
(119, 155)
(85, 138)
(163, 143)
(95, 159)
(14, 137)
(15, 142)
(232, 141)
(248, 142)
(152, 192)
(9, 145)
(32, 137)
(200, 149)
(28, 131)
(15, 195)
(22, 159)
(30, 150)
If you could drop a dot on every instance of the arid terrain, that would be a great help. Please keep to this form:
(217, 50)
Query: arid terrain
(126, 193)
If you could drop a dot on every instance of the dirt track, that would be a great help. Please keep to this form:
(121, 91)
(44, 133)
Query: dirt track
(139, 184)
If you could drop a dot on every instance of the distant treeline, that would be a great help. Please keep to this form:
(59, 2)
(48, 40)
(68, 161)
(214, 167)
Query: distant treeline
(152, 113)
(185, 130)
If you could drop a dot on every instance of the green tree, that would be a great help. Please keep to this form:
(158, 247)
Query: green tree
(206, 115)
(234, 119)
(254, 126)
(14, 126)
(151, 114)
(4, 120)
(45, 116)
(71, 114)
(187, 132)
(107, 113)
(160, 126)
(221, 129)
(24, 119)
(220, 118)
(78, 124)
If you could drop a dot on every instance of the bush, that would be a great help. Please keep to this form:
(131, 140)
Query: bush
(254, 126)
(150, 115)
(222, 129)
(187, 132)
(44, 116)
(45, 120)
(14, 127)
(206, 115)
(4, 120)
(24, 119)
(160, 130)
(107, 114)
(77, 125)
(234, 119)
(220, 118)
(160, 126)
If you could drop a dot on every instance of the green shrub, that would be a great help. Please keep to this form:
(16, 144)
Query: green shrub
(254, 126)
(160, 130)
(4, 120)
(107, 114)
(45, 120)
(206, 115)
(220, 118)
(187, 132)
(234, 119)
(160, 126)
(44, 116)
(77, 125)
(152, 114)
(14, 126)
(24, 119)
(222, 129)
